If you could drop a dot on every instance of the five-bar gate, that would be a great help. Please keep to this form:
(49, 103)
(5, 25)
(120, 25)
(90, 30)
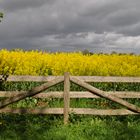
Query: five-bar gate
(92, 92)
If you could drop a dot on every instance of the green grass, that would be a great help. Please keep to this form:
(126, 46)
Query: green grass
(80, 127)
(50, 127)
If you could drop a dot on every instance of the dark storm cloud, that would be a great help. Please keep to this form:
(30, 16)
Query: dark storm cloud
(15, 5)
(70, 25)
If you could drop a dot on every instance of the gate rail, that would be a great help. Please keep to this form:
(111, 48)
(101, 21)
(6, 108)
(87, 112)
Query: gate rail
(92, 92)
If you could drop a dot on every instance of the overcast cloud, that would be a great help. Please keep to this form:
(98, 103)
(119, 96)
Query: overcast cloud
(71, 25)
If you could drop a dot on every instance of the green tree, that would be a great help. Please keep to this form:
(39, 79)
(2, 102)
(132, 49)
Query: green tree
(1, 16)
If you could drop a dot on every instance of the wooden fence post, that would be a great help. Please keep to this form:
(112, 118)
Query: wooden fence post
(66, 97)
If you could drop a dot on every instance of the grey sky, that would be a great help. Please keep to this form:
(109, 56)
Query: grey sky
(71, 25)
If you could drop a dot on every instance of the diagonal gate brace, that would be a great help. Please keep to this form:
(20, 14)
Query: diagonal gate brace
(103, 94)
(31, 92)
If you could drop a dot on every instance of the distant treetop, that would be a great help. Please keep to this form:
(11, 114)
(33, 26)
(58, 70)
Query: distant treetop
(1, 16)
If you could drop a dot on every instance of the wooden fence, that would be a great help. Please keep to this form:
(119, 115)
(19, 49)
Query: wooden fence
(92, 92)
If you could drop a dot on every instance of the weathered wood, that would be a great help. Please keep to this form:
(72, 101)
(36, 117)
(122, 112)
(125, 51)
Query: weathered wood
(84, 78)
(108, 79)
(53, 94)
(73, 94)
(90, 111)
(24, 78)
(94, 93)
(31, 92)
(85, 111)
(105, 95)
(66, 97)
(32, 111)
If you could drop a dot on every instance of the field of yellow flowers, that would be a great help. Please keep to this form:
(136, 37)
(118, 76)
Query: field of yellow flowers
(20, 62)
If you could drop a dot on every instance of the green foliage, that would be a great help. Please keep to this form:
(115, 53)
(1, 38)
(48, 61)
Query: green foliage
(1, 16)
(50, 127)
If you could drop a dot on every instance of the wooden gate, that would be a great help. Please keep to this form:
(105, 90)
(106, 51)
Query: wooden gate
(93, 93)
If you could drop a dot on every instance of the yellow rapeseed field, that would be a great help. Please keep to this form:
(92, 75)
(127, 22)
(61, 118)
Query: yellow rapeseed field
(20, 62)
